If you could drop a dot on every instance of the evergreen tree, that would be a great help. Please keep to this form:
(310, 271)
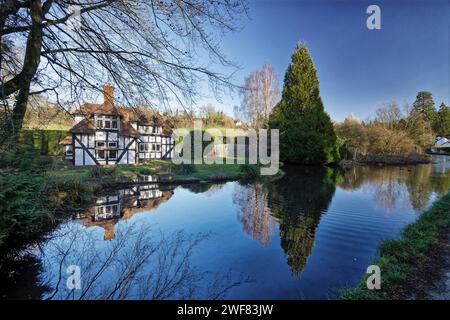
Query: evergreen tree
(424, 105)
(306, 132)
(419, 129)
(443, 120)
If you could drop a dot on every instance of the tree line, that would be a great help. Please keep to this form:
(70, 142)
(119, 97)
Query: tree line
(394, 131)
(308, 135)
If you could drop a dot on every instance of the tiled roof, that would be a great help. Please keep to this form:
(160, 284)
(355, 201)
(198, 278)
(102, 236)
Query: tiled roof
(127, 115)
(126, 129)
(154, 120)
(88, 109)
(167, 128)
(84, 126)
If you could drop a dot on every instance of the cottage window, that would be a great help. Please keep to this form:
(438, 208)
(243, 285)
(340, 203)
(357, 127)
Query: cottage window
(101, 154)
(143, 147)
(107, 124)
(112, 144)
(114, 208)
(100, 144)
(99, 123)
(112, 154)
(114, 124)
(156, 147)
(100, 210)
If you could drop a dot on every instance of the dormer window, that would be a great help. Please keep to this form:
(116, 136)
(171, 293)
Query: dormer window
(107, 122)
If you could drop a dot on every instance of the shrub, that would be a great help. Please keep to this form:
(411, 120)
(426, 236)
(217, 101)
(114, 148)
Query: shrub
(185, 169)
(23, 157)
(145, 172)
(218, 176)
(383, 140)
(22, 206)
(30, 203)
(45, 142)
(100, 172)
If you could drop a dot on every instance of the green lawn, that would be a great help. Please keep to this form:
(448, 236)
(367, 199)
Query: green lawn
(162, 167)
(206, 171)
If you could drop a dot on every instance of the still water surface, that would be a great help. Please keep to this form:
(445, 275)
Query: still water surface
(304, 236)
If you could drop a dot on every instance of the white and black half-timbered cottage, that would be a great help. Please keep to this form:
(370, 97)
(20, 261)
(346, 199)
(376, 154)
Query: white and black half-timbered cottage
(105, 134)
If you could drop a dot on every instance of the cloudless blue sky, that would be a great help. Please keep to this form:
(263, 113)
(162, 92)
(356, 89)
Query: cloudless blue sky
(359, 69)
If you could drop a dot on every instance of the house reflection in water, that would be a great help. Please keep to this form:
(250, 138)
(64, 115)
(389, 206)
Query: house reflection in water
(123, 203)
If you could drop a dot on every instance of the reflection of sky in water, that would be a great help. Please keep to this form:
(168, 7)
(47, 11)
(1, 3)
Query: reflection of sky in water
(305, 236)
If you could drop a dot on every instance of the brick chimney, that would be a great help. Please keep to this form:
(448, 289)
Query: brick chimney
(108, 94)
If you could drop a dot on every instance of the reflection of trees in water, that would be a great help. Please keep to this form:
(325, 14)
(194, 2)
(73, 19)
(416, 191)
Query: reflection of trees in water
(19, 274)
(298, 200)
(418, 183)
(254, 214)
(206, 188)
(133, 265)
(391, 184)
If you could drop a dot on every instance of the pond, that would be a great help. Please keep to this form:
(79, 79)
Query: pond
(305, 236)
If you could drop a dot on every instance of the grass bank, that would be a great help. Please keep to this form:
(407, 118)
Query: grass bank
(165, 169)
(401, 261)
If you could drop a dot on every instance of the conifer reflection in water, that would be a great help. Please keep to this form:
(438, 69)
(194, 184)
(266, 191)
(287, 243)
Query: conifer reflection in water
(296, 202)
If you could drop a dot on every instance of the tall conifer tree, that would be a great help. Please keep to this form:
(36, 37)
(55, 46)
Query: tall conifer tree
(306, 132)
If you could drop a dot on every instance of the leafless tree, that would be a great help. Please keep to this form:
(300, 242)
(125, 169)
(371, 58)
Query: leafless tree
(152, 50)
(389, 114)
(260, 94)
(254, 212)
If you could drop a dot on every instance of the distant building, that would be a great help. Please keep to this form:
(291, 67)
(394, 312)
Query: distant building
(105, 134)
(440, 143)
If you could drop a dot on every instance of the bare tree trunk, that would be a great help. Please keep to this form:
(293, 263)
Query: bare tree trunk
(20, 108)
(22, 81)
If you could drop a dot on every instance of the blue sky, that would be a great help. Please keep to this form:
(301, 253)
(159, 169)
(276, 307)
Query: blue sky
(359, 69)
